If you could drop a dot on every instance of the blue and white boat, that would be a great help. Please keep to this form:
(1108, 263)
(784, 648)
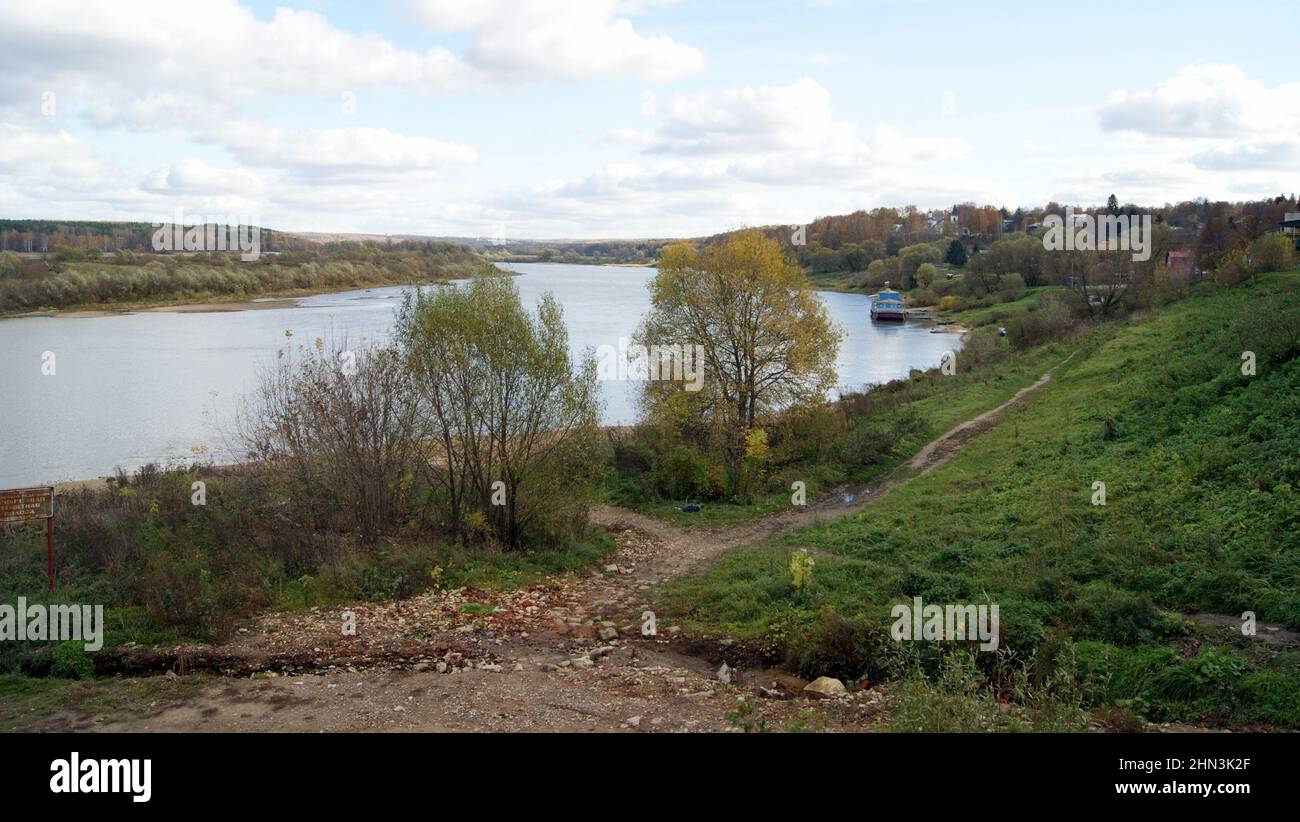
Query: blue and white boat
(888, 305)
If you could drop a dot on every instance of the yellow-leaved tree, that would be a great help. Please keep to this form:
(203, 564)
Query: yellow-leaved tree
(765, 339)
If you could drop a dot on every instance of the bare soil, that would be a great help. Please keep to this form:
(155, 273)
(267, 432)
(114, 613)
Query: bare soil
(568, 654)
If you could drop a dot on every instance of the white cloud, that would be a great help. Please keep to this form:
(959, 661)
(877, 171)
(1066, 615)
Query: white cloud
(716, 159)
(190, 176)
(1205, 101)
(341, 152)
(797, 116)
(220, 48)
(1253, 154)
(573, 40)
(28, 152)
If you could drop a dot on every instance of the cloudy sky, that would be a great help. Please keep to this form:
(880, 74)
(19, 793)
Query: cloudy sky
(605, 118)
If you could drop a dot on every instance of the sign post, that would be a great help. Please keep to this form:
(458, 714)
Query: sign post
(23, 504)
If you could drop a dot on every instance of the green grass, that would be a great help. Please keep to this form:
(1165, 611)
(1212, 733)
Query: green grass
(975, 317)
(916, 412)
(850, 281)
(503, 570)
(169, 572)
(26, 703)
(1201, 466)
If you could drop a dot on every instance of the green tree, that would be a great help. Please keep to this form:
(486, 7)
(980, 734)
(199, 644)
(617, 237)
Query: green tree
(1271, 252)
(926, 274)
(766, 340)
(956, 255)
(502, 403)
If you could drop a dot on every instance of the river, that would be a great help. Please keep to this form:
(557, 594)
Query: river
(128, 389)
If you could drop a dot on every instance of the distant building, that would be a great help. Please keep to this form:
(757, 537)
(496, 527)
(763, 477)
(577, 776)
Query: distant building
(1181, 262)
(1291, 227)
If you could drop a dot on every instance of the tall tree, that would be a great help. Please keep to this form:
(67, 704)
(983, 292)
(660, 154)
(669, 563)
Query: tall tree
(766, 339)
(956, 254)
(503, 403)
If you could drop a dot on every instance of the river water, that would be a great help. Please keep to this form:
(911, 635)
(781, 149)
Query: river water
(163, 386)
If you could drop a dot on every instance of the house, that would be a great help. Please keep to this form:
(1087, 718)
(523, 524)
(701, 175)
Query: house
(1291, 227)
(1181, 262)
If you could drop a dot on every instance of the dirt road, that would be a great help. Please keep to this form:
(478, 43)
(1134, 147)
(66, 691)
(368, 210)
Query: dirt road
(567, 655)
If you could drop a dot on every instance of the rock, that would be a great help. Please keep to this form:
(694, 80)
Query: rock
(582, 663)
(825, 686)
(611, 569)
(724, 674)
(442, 667)
(608, 633)
(633, 722)
(603, 650)
(770, 693)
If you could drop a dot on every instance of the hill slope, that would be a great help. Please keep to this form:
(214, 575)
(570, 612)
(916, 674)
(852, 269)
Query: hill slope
(1201, 465)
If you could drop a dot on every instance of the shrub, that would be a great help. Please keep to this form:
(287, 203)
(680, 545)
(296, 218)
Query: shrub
(842, 648)
(1271, 252)
(1119, 618)
(1271, 696)
(685, 473)
(69, 660)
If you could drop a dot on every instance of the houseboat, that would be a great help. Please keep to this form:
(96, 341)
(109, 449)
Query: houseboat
(887, 305)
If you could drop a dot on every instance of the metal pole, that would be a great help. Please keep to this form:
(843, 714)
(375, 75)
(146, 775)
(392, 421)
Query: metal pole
(49, 549)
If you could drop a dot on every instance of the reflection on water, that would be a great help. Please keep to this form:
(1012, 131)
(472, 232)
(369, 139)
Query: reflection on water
(136, 388)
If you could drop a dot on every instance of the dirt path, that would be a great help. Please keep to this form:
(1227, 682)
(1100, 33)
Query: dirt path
(567, 655)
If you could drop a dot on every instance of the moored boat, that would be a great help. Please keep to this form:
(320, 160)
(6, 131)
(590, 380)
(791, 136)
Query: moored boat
(888, 305)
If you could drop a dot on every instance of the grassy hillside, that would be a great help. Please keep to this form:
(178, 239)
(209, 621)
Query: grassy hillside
(1201, 465)
(857, 441)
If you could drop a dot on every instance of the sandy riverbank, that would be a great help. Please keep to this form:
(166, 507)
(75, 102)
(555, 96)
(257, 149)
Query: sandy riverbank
(257, 304)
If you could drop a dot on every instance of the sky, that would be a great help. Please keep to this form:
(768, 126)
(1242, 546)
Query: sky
(621, 119)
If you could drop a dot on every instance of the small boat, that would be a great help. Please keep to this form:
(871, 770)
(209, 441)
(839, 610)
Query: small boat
(888, 305)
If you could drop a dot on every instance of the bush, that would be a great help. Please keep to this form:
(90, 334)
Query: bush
(1010, 287)
(685, 473)
(1271, 252)
(842, 648)
(70, 661)
(1118, 618)
(1271, 696)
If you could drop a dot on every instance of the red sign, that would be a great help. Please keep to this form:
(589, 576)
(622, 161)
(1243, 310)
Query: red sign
(21, 504)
